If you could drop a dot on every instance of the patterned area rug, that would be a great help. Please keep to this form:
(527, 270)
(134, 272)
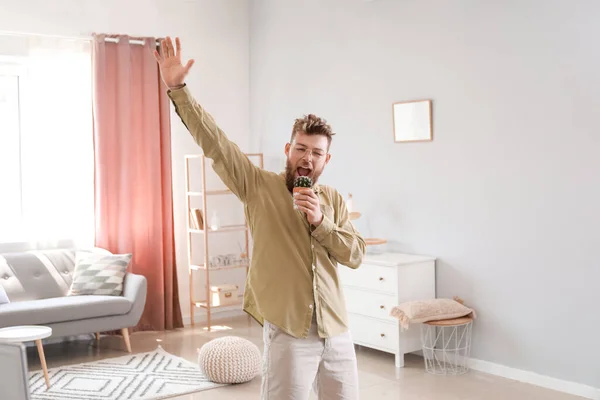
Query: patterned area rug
(145, 376)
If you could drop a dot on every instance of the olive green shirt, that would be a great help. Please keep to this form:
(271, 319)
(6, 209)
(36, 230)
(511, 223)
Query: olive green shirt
(294, 266)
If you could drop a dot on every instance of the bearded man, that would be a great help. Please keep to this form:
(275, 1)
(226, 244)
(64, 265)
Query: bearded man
(292, 288)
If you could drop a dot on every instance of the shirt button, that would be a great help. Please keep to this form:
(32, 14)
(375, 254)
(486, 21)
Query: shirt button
(311, 306)
(312, 246)
(313, 267)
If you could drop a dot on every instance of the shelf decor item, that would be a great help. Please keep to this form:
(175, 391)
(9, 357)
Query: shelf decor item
(215, 223)
(223, 295)
(198, 225)
(227, 260)
(354, 215)
(350, 203)
(197, 218)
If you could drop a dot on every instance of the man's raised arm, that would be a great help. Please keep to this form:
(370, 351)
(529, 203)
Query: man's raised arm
(238, 173)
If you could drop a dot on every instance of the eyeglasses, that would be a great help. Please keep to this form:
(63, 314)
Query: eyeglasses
(303, 151)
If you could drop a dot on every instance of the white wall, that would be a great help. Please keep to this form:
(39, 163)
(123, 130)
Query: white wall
(213, 32)
(506, 195)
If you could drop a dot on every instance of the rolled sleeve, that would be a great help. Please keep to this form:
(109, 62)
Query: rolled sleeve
(322, 231)
(180, 96)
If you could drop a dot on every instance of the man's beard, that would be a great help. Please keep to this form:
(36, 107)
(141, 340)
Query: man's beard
(290, 175)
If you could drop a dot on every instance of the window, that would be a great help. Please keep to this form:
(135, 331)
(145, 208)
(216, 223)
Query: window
(10, 162)
(46, 143)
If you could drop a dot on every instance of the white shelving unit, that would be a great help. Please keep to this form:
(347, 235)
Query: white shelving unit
(205, 233)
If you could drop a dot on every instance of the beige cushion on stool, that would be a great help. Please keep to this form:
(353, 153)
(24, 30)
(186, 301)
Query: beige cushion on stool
(230, 359)
(430, 310)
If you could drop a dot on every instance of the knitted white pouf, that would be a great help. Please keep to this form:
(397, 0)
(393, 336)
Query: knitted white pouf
(230, 359)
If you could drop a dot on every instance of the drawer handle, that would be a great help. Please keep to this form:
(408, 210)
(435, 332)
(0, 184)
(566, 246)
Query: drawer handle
(383, 335)
(382, 307)
(381, 278)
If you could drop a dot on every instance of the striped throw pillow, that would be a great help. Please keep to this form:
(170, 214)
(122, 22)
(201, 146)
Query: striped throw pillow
(99, 274)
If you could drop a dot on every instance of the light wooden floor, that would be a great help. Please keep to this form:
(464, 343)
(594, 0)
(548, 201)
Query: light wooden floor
(379, 379)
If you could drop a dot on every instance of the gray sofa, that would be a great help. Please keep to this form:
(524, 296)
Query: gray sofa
(37, 282)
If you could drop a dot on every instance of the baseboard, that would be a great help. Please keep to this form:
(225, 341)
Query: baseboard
(532, 378)
(225, 312)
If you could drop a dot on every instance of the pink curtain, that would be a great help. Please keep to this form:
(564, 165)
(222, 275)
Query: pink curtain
(134, 203)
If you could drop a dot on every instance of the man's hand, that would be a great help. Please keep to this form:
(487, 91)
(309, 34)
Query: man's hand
(171, 69)
(308, 202)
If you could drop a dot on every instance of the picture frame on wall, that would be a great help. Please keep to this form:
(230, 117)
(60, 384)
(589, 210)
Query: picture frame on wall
(412, 121)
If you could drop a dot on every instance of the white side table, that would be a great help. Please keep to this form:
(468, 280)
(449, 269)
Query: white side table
(20, 334)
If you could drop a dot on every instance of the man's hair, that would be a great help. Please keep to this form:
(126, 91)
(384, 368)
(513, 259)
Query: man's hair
(312, 125)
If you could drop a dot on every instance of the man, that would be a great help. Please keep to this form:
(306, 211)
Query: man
(292, 288)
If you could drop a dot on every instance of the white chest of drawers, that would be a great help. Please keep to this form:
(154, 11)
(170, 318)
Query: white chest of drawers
(380, 283)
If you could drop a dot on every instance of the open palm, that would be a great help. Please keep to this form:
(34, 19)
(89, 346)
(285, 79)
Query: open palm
(173, 72)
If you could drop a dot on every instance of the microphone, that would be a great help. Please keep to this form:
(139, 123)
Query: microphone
(300, 183)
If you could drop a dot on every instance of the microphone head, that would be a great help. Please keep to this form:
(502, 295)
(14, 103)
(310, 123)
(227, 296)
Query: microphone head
(303, 181)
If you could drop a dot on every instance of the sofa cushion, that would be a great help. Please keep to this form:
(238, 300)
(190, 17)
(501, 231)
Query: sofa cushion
(36, 275)
(99, 274)
(62, 309)
(25, 276)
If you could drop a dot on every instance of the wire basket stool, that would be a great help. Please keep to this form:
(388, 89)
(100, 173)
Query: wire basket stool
(447, 345)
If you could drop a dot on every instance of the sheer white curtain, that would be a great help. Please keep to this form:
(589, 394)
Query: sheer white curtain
(56, 144)
(10, 179)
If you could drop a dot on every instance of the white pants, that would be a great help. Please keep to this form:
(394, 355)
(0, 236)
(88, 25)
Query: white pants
(291, 366)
